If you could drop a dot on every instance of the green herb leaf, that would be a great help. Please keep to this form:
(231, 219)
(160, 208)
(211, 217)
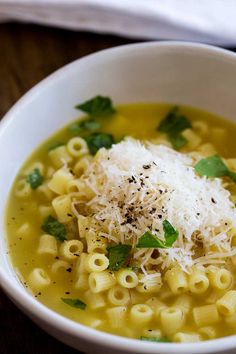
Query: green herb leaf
(35, 179)
(97, 106)
(177, 141)
(55, 145)
(170, 233)
(118, 255)
(84, 125)
(148, 240)
(96, 141)
(53, 227)
(212, 166)
(173, 124)
(75, 303)
(158, 340)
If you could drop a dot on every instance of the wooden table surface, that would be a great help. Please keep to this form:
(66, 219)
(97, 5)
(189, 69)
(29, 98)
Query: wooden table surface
(27, 55)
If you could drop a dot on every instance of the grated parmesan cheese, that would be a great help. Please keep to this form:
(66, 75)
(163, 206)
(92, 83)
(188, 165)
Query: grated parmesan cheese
(137, 185)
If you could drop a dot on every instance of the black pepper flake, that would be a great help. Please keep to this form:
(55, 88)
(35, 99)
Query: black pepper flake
(213, 200)
(198, 214)
(69, 270)
(67, 292)
(56, 257)
(70, 215)
(146, 167)
(86, 228)
(129, 220)
(152, 210)
(159, 216)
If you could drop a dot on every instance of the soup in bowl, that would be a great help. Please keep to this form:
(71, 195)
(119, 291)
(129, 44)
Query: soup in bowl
(123, 220)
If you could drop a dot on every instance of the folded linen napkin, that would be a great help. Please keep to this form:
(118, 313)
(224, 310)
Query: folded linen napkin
(211, 21)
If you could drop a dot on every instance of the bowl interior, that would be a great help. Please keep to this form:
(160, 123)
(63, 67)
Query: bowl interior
(190, 74)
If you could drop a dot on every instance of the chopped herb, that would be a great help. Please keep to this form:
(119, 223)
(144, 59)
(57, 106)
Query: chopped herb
(84, 125)
(214, 166)
(75, 303)
(98, 106)
(177, 140)
(118, 256)
(148, 240)
(158, 340)
(96, 141)
(53, 227)
(55, 145)
(173, 124)
(34, 178)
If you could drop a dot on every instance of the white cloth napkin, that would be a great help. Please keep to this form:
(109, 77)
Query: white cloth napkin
(211, 21)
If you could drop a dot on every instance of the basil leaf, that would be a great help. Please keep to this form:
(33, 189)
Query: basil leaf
(35, 179)
(173, 124)
(212, 166)
(170, 233)
(84, 125)
(97, 106)
(55, 145)
(118, 255)
(75, 303)
(148, 240)
(177, 141)
(53, 227)
(96, 141)
(158, 340)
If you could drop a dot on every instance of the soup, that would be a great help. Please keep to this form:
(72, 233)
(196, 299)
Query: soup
(125, 221)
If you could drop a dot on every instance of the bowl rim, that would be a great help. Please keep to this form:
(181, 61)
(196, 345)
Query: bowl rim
(47, 316)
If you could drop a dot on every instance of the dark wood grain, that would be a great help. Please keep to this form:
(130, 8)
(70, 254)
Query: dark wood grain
(27, 55)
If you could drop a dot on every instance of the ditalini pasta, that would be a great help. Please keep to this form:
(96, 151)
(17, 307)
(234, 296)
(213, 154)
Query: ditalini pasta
(126, 221)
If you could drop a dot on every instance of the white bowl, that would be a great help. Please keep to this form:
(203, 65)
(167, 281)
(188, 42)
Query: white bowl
(184, 73)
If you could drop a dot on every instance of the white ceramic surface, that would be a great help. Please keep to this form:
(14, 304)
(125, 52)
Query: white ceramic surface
(184, 73)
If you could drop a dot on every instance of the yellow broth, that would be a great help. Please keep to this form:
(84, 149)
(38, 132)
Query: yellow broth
(136, 120)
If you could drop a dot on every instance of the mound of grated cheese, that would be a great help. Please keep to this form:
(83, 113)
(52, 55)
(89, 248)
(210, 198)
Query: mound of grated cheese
(137, 185)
